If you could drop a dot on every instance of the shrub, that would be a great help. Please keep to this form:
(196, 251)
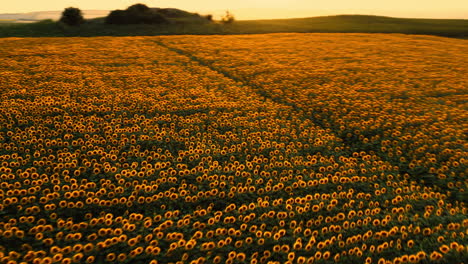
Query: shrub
(72, 16)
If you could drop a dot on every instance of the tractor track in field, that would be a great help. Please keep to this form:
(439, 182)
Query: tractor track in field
(258, 90)
(351, 145)
(255, 88)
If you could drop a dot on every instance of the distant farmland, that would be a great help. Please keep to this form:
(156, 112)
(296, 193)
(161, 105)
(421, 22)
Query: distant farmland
(275, 148)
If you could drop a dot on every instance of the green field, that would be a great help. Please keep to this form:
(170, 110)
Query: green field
(342, 23)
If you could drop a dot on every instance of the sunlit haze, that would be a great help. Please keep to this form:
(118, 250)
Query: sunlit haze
(258, 9)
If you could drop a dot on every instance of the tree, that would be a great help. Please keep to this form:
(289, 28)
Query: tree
(228, 18)
(72, 16)
(117, 17)
(135, 14)
(138, 9)
(209, 17)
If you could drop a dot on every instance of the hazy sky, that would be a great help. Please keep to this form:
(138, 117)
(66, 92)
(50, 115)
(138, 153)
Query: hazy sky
(245, 9)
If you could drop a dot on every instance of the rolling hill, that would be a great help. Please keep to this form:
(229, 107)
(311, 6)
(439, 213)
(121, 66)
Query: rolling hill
(338, 24)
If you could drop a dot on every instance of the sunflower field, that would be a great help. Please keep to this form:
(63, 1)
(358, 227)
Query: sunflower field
(274, 148)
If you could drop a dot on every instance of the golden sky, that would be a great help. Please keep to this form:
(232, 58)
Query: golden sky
(251, 9)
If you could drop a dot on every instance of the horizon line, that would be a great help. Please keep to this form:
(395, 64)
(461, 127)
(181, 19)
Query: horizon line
(295, 13)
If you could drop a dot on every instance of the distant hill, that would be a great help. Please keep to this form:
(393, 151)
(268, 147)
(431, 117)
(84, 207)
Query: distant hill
(189, 23)
(54, 15)
(88, 14)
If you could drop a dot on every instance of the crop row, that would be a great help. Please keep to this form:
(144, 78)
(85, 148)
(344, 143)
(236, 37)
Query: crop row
(308, 149)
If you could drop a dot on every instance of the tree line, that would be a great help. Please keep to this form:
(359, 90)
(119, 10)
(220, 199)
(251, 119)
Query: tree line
(135, 14)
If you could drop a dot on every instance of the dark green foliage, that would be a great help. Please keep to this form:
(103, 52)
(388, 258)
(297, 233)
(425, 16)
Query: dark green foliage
(72, 16)
(135, 14)
(117, 17)
(138, 9)
(191, 24)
